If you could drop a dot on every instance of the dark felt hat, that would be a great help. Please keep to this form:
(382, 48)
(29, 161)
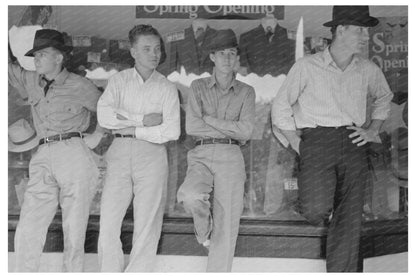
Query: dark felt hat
(223, 39)
(48, 38)
(351, 15)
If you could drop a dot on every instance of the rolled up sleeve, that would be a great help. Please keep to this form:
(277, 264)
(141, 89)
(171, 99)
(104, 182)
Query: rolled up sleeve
(382, 95)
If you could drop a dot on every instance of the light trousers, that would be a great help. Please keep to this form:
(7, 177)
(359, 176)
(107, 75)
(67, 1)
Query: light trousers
(216, 169)
(59, 173)
(136, 170)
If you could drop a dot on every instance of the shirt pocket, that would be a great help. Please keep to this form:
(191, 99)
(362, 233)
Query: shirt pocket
(68, 108)
(154, 104)
(208, 110)
(233, 110)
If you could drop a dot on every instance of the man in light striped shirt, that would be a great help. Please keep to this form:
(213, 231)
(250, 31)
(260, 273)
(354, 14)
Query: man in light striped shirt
(141, 107)
(321, 112)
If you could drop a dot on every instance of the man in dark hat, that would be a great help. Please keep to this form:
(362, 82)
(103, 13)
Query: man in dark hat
(62, 171)
(321, 111)
(220, 117)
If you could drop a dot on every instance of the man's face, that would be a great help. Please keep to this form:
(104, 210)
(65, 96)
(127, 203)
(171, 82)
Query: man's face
(355, 38)
(47, 60)
(146, 51)
(225, 60)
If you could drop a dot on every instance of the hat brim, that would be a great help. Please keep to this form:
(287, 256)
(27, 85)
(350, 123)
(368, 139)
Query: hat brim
(24, 147)
(60, 47)
(368, 22)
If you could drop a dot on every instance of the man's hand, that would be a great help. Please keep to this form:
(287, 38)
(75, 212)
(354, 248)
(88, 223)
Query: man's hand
(152, 119)
(294, 143)
(92, 140)
(293, 137)
(126, 131)
(363, 136)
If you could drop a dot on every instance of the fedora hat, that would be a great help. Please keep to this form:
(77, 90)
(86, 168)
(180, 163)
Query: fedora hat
(22, 137)
(223, 39)
(351, 15)
(48, 38)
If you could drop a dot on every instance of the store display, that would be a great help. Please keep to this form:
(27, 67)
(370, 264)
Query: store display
(267, 49)
(190, 49)
(267, 53)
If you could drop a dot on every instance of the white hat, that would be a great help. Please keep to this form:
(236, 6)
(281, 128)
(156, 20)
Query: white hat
(22, 137)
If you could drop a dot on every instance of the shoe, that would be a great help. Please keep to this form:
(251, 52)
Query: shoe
(206, 243)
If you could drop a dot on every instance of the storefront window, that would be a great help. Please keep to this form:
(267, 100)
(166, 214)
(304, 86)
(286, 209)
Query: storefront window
(265, 59)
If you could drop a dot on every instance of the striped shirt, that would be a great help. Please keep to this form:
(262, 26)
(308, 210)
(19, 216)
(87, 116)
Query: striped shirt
(213, 113)
(318, 93)
(128, 95)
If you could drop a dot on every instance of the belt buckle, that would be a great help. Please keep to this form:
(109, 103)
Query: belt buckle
(46, 139)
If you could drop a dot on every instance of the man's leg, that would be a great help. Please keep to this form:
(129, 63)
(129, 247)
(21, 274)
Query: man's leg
(317, 176)
(229, 177)
(195, 191)
(345, 227)
(77, 176)
(150, 176)
(115, 199)
(38, 209)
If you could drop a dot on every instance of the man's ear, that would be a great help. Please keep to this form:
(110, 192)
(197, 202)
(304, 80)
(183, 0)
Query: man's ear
(59, 58)
(340, 30)
(211, 56)
(132, 52)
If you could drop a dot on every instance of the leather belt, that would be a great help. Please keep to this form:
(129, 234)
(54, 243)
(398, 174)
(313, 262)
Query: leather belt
(217, 141)
(324, 127)
(59, 137)
(118, 135)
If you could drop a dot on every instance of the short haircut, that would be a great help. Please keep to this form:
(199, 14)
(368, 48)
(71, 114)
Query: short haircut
(147, 30)
(334, 30)
(236, 47)
(65, 56)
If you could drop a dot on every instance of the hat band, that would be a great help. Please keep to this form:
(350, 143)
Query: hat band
(25, 141)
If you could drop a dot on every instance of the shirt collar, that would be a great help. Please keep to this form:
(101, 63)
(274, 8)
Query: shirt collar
(328, 58)
(213, 81)
(60, 78)
(137, 74)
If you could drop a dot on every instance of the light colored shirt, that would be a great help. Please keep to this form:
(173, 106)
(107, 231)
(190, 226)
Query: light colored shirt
(66, 106)
(129, 95)
(318, 93)
(213, 113)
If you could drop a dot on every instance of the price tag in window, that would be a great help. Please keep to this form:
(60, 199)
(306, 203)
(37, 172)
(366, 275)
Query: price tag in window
(81, 41)
(124, 44)
(175, 36)
(291, 184)
(94, 57)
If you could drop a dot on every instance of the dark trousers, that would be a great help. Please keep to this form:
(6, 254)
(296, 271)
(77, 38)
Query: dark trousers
(332, 177)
